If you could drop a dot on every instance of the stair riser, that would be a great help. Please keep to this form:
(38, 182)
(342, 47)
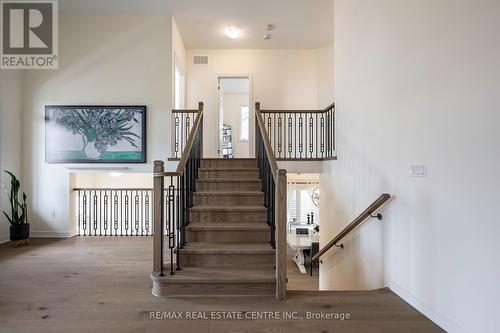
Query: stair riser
(228, 163)
(229, 236)
(228, 217)
(228, 200)
(213, 289)
(234, 174)
(229, 186)
(236, 261)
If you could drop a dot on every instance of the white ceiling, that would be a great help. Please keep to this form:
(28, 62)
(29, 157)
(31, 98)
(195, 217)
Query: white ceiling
(299, 23)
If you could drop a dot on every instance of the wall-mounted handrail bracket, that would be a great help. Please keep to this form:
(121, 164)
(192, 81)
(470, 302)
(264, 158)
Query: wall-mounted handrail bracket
(378, 216)
(341, 246)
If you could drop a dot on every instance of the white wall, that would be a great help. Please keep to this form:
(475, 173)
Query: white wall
(103, 60)
(281, 79)
(325, 69)
(418, 82)
(11, 90)
(232, 103)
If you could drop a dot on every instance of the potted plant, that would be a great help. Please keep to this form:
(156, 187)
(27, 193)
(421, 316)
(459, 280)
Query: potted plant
(19, 226)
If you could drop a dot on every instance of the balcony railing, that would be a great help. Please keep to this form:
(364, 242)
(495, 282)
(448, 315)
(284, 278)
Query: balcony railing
(298, 135)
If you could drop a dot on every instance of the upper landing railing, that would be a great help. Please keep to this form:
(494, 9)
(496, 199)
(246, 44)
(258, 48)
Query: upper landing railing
(297, 135)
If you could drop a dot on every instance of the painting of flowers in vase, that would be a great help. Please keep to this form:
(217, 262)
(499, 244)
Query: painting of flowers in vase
(95, 134)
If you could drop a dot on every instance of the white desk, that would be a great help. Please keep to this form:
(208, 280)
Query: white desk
(298, 243)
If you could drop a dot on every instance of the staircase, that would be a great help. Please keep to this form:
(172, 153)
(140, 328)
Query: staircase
(227, 250)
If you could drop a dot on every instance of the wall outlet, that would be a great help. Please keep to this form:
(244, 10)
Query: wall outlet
(418, 170)
(53, 215)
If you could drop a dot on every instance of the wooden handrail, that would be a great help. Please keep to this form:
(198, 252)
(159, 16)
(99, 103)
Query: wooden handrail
(267, 143)
(185, 110)
(351, 226)
(329, 107)
(189, 144)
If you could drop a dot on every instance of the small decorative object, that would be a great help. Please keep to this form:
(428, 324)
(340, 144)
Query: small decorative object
(315, 196)
(308, 218)
(19, 226)
(316, 229)
(95, 134)
(312, 217)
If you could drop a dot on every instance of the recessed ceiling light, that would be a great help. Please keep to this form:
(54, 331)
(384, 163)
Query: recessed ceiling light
(115, 174)
(232, 32)
(267, 36)
(269, 27)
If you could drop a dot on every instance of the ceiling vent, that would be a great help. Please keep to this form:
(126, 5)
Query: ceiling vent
(200, 60)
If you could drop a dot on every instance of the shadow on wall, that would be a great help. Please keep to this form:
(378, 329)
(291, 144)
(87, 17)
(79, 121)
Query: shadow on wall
(360, 264)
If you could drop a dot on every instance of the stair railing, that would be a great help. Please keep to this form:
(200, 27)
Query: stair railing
(182, 123)
(297, 135)
(274, 187)
(374, 207)
(171, 209)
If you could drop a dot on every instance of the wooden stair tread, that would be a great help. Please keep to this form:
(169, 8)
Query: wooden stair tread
(210, 275)
(210, 193)
(236, 168)
(228, 209)
(228, 248)
(229, 180)
(230, 159)
(228, 226)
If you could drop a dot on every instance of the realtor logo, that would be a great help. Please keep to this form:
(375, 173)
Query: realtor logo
(29, 34)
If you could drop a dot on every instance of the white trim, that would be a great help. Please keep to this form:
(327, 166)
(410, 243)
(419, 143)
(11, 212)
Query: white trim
(438, 318)
(4, 239)
(50, 234)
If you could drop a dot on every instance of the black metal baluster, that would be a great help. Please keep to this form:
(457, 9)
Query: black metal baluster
(105, 213)
(176, 135)
(79, 214)
(147, 212)
(311, 135)
(116, 213)
(171, 235)
(94, 215)
(84, 213)
(136, 213)
(301, 124)
(177, 220)
(289, 135)
(322, 135)
(280, 130)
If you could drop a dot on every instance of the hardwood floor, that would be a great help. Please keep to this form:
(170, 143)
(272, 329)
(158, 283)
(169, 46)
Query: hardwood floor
(299, 281)
(103, 285)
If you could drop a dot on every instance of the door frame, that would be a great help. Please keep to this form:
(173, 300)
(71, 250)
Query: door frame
(251, 111)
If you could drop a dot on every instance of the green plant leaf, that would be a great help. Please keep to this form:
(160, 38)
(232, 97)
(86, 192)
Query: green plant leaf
(8, 218)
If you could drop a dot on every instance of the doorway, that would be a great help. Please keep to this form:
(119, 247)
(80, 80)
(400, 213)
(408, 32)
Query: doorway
(235, 116)
(303, 231)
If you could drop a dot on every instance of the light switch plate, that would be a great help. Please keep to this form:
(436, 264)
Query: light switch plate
(418, 170)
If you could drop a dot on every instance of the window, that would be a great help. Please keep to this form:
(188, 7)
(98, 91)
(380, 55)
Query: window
(244, 126)
(300, 202)
(178, 86)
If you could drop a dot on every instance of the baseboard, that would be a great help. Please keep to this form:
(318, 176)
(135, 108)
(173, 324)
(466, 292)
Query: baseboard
(4, 239)
(50, 234)
(440, 319)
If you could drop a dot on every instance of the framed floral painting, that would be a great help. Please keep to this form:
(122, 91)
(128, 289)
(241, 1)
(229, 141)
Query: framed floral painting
(95, 134)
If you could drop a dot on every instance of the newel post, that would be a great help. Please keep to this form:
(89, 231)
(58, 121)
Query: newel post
(158, 195)
(280, 233)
